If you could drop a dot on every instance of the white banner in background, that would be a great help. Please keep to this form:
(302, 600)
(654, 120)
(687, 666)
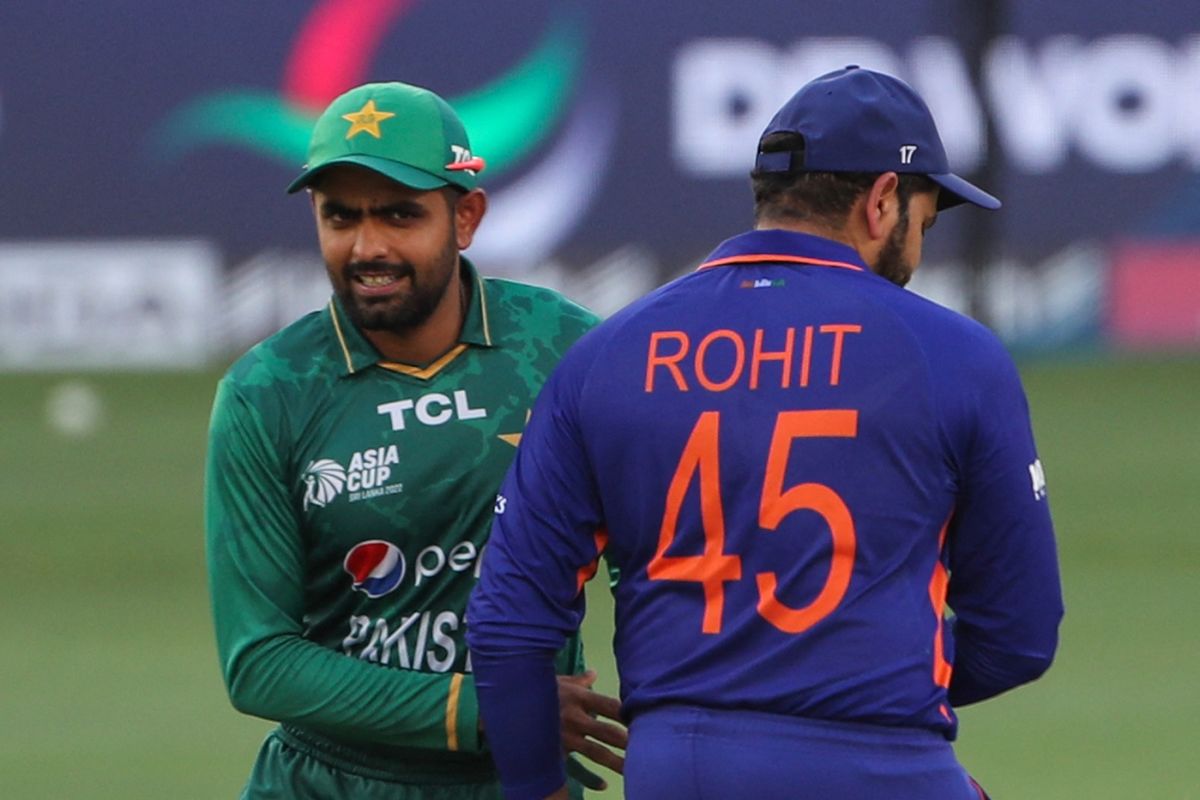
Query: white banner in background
(1124, 103)
(112, 304)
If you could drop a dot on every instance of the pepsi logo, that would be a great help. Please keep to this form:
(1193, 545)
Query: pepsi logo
(376, 566)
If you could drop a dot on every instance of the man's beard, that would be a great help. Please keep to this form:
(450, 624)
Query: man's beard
(892, 263)
(409, 311)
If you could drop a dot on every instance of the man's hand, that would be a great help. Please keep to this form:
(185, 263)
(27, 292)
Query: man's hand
(583, 730)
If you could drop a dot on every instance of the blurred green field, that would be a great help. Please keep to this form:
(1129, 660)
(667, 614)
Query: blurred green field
(110, 684)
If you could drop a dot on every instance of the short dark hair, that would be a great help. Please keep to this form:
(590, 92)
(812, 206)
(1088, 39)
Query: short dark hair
(823, 196)
(452, 195)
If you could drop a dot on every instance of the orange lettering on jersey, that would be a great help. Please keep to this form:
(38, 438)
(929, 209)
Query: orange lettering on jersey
(760, 355)
(739, 349)
(938, 583)
(671, 362)
(714, 567)
(838, 331)
(777, 503)
(588, 570)
(719, 360)
(806, 356)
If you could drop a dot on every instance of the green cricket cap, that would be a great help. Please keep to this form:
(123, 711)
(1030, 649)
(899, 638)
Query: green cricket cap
(404, 132)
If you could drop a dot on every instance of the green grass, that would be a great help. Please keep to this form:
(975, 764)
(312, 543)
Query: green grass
(1117, 714)
(110, 675)
(110, 681)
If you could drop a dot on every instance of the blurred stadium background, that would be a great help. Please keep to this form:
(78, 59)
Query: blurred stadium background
(145, 240)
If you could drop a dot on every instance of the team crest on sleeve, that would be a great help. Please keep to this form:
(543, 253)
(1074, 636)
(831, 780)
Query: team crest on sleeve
(376, 566)
(324, 480)
(1037, 476)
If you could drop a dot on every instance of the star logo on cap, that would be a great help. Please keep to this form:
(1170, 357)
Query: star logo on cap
(366, 120)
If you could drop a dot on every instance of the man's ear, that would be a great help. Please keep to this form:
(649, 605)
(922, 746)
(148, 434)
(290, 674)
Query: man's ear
(882, 208)
(468, 212)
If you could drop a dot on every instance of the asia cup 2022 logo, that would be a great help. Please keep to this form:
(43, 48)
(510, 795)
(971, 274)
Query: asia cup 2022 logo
(509, 119)
(324, 480)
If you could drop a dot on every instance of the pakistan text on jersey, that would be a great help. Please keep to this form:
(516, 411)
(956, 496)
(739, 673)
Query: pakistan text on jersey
(426, 640)
(784, 358)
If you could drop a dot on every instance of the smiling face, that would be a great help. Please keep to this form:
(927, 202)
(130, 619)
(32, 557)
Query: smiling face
(391, 251)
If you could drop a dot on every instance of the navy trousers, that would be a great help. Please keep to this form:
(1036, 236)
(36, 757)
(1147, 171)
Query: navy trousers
(691, 753)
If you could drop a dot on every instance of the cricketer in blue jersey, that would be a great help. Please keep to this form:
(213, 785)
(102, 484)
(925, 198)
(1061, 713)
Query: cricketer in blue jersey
(799, 468)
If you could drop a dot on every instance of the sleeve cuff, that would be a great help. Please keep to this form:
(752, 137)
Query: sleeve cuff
(462, 715)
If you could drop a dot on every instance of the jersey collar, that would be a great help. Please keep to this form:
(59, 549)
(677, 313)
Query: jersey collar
(477, 327)
(784, 247)
(357, 353)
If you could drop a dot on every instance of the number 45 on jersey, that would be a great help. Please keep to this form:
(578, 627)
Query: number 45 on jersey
(714, 567)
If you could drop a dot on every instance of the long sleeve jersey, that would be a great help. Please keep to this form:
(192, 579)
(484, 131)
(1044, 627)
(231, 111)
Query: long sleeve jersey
(799, 469)
(348, 502)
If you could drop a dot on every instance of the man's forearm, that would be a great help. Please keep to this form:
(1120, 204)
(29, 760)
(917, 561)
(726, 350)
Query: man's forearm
(983, 670)
(290, 679)
(518, 701)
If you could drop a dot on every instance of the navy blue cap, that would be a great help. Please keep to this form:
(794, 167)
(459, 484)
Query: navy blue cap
(857, 120)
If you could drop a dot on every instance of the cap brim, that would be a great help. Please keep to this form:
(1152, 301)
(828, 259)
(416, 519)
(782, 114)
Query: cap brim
(401, 173)
(955, 190)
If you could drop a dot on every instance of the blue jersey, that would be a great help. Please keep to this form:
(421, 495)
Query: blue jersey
(799, 469)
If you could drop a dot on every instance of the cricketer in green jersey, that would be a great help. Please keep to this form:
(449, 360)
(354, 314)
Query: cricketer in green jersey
(353, 464)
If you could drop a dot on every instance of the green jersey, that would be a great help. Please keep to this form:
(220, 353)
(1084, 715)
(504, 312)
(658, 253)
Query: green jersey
(348, 502)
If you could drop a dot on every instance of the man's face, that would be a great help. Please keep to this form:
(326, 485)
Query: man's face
(901, 253)
(391, 251)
